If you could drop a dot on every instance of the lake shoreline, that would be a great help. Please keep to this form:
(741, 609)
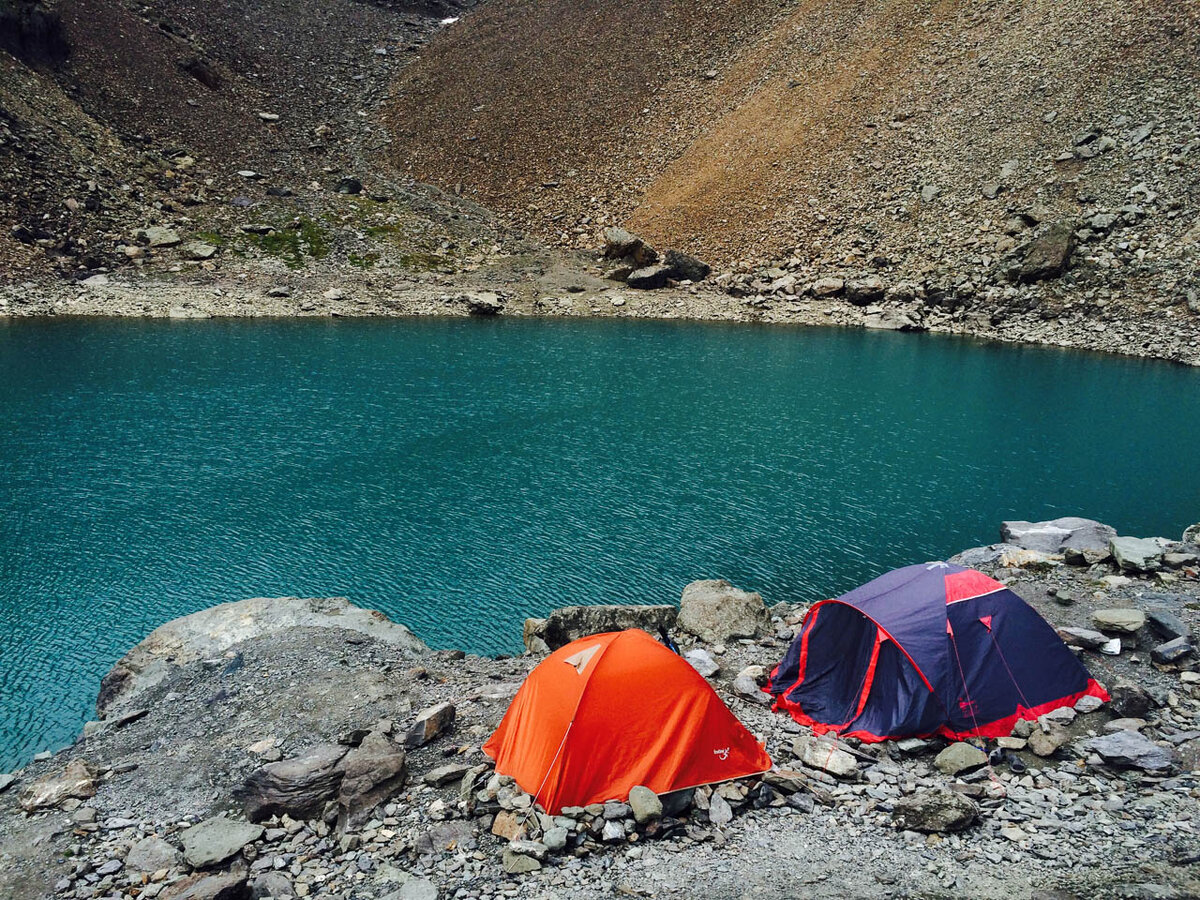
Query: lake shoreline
(564, 296)
(195, 710)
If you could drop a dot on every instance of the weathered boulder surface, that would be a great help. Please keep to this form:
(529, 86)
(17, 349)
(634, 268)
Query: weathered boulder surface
(570, 623)
(220, 886)
(715, 611)
(1056, 535)
(77, 779)
(685, 267)
(1130, 700)
(1131, 749)
(1049, 254)
(215, 840)
(645, 804)
(1127, 621)
(372, 772)
(959, 757)
(431, 723)
(622, 244)
(650, 278)
(1138, 554)
(935, 811)
(824, 754)
(299, 787)
(151, 854)
(210, 632)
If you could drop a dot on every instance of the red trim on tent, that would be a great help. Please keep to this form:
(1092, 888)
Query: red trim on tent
(870, 679)
(805, 632)
(999, 728)
(969, 584)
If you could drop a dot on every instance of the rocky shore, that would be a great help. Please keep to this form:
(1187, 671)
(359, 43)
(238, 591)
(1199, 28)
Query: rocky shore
(291, 748)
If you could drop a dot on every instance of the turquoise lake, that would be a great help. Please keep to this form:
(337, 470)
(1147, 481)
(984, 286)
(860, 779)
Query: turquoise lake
(461, 475)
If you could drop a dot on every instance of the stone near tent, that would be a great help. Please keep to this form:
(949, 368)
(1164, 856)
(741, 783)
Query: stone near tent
(1082, 637)
(701, 660)
(720, 813)
(516, 863)
(1057, 535)
(749, 684)
(1088, 704)
(298, 787)
(1131, 749)
(223, 886)
(716, 611)
(1127, 724)
(1138, 554)
(569, 623)
(443, 775)
(645, 804)
(1171, 651)
(824, 754)
(1126, 621)
(1130, 700)
(151, 854)
(372, 772)
(1048, 739)
(446, 837)
(431, 723)
(77, 779)
(959, 757)
(1064, 715)
(508, 825)
(215, 840)
(935, 812)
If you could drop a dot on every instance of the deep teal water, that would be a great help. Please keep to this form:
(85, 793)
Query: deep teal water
(461, 475)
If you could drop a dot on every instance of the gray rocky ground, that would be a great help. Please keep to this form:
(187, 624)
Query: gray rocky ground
(312, 759)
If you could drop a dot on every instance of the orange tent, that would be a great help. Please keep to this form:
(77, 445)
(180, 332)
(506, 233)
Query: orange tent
(611, 711)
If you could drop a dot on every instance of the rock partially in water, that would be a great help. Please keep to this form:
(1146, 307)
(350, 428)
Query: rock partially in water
(209, 633)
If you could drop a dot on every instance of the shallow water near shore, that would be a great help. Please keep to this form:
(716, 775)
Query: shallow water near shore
(461, 475)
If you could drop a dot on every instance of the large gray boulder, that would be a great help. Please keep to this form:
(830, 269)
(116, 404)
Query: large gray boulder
(1048, 255)
(824, 754)
(151, 854)
(935, 811)
(215, 840)
(649, 278)
(716, 611)
(685, 267)
(299, 787)
(1057, 535)
(1138, 554)
(570, 623)
(959, 757)
(1131, 749)
(207, 634)
(76, 780)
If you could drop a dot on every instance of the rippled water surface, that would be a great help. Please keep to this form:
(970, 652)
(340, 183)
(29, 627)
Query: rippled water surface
(461, 475)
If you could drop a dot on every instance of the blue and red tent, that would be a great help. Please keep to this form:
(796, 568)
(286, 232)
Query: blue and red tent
(926, 649)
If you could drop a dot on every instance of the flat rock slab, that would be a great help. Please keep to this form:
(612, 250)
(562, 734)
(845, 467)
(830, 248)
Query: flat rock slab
(1126, 621)
(217, 839)
(1138, 554)
(151, 854)
(372, 772)
(825, 755)
(225, 886)
(1057, 535)
(1131, 749)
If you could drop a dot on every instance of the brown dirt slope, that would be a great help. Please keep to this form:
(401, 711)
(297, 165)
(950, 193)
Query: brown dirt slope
(745, 130)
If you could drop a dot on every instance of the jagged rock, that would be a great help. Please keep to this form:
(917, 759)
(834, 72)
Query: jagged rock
(443, 775)
(570, 623)
(716, 611)
(1138, 554)
(1171, 651)
(891, 320)
(621, 244)
(515, 863)
(151, 854)
(446, 837)
(719, 811)
(431, 723)
(650, 278)
(275, 885)
(1088, 704)
(157, 236)
(645, 804)
(508, 825)
(299, 787)
(77, 779)
(1168, 625)
(959, 757)
(1082, 637)
(749, 683)
(685, 267)
(865, 291)
(1131, 749)
(935, 811)
(825, 755)
(1127, 621)
(223, 886)
(1048, 255)
(6, 781)
(1057, 535)
(483, 303)
(1130, 700)
(209, 633)
(372, 772)
(702, 662)
(1046, 740)
(1191, 534)
(215, 840)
